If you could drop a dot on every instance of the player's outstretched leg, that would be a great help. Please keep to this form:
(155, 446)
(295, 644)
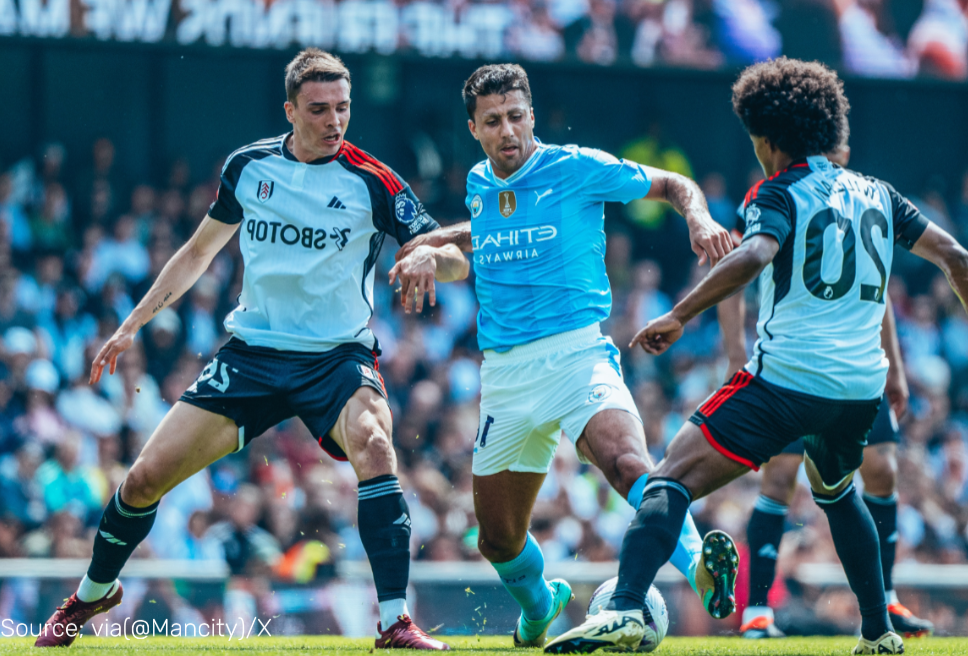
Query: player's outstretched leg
(649, 542)
(363, 431)
(187, 440)
(688, 553)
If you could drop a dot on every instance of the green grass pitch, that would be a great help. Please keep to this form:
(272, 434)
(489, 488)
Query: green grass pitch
(482, 646)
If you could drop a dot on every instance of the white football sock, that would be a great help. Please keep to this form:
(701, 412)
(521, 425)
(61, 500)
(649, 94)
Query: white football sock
(891, 597)
(390, 611)
(752, 612)
(89, 591)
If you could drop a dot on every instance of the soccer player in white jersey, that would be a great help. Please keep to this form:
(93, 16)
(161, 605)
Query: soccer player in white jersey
(779, 480)
(536, 232)
(313, 211)
(818, 369)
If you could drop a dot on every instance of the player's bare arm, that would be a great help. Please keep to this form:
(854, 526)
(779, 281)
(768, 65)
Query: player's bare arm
(944, 251)
(425, 265)
(731, 275)
(731, 313)
(182, 271)
(897, 387)
(458, 234)
(708, 238)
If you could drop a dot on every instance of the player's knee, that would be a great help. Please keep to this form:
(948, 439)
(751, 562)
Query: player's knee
(880, 475)
(142, 486)
(628, 468)
(375, 455)
(500, 545)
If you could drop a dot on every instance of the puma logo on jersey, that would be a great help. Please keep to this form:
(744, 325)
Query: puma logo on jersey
(540, 196)
(336, 204)
(767, 551)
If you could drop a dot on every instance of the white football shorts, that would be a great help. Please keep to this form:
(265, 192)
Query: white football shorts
(532, 392)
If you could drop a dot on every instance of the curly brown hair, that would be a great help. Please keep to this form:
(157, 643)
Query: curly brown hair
(799, 106)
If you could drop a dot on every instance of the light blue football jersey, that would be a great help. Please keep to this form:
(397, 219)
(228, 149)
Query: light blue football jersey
(539, 241)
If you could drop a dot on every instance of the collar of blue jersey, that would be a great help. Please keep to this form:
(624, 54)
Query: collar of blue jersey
(322, 160)
(517, 175)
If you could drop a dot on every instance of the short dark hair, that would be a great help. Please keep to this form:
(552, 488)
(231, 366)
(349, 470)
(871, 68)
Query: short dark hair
(313, 65)
(799, 106)
(494, 78)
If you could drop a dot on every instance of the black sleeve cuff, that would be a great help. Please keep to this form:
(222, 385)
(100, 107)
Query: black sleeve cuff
(912, 231)
(219, 212)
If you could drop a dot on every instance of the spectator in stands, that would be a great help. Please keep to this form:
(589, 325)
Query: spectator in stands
(603, 36)
(67, 485)
(21, 495)
(99, 188)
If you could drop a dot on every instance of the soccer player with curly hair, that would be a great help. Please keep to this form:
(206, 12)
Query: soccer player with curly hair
(821, 240)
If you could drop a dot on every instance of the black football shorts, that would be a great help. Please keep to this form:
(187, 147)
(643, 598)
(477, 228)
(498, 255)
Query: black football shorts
(884, 431)
(750, 420)
(258, 387)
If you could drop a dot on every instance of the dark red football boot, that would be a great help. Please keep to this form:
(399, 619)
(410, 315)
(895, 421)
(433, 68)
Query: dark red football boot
(65, 624)
(404, 634)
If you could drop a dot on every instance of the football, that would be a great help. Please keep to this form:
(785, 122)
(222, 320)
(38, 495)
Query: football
(655, 612)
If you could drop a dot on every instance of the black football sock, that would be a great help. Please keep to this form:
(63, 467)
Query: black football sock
(384, 520)
(763, 534)
(884, 512)
(855, 538)
(650, 540)
(121, 530)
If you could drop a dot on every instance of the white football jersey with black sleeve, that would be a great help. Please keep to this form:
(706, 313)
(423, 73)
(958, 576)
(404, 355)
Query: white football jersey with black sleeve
(310, 235)
(822, 297)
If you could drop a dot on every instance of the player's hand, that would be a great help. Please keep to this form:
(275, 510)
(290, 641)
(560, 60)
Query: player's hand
(658, 335)
(897, 392)
(417, 273)
(108, 355)
(709, 240)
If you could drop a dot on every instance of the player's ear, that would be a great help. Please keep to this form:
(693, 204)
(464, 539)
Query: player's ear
(532, 117)
(473, 128)
(289, 107)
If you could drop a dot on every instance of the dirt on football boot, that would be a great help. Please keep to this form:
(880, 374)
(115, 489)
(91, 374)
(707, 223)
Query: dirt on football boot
(761, 627)
(65, 624)
(607, 628)
(534, 634)
(889, 643)
(404, 634)
(906, 623)
(716, 574)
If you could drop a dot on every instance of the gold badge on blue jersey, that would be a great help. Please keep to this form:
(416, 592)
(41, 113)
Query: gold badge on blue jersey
(507, 203)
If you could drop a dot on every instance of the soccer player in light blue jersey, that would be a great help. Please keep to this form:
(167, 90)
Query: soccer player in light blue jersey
(536, 233)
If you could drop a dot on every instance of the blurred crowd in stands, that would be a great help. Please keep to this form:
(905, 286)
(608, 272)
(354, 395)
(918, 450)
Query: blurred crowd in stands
(875, 38)
(80, 244)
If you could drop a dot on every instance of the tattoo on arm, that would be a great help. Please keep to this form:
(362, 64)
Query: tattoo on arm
(161, 303)
(683, 194)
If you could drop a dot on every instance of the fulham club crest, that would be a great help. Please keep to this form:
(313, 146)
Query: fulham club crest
(507, 203)
(265, 190)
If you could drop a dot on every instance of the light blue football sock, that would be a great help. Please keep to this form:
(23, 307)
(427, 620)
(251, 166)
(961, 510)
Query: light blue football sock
(689, 549)
(524, 578)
